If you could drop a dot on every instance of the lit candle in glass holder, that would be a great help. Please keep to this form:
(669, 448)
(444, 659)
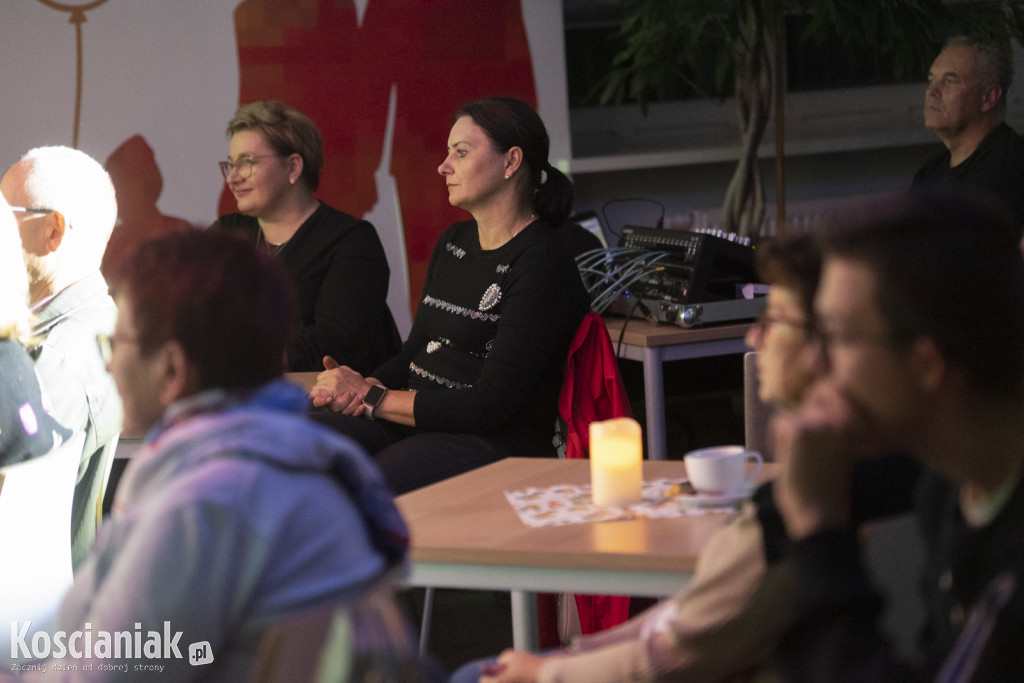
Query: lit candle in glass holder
(616, 457)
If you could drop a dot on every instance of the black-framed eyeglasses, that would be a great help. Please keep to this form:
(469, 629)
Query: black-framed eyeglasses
(243, 165)
(30, 209)
(765, 321)
(107, 342)
(831, 339)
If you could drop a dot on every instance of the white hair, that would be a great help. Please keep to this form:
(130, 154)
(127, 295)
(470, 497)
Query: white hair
(73, 183)
(15, 319)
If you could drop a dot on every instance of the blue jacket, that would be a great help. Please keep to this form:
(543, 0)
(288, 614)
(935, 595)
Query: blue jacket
(236, 512)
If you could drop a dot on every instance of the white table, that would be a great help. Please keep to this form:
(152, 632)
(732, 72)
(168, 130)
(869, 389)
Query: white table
(466, 535)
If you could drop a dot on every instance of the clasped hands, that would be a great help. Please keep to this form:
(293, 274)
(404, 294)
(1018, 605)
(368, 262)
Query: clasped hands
(339, 388)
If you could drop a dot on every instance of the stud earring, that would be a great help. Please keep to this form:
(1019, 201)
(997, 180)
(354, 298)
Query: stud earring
(291, 180)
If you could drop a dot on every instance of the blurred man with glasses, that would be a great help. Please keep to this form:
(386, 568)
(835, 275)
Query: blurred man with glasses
(65, 206)
(920, 314)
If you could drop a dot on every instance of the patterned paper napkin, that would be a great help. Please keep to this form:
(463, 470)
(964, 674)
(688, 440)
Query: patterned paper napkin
(571, 504)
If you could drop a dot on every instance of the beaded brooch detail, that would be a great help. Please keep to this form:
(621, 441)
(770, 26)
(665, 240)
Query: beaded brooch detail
(491, 297)
(434, 345)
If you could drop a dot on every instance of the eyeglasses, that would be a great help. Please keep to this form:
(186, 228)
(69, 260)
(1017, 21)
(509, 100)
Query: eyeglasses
(30, 209)
(107, 342)
(243, 165)
(831, 339)
(764, 321)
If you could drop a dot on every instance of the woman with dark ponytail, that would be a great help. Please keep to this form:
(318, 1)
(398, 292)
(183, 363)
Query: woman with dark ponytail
(478, 378)
(511, 123)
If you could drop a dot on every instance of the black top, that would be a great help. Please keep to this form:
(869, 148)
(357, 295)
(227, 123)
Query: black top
(997, 165)
(27, 430)
(973, 588)
(341, 276)
(577, 239)
(489, 344)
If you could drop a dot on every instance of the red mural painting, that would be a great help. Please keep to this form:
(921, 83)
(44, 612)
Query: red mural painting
(315, 56)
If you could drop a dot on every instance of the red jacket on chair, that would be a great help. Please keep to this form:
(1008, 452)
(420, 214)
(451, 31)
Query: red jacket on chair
(593, 390)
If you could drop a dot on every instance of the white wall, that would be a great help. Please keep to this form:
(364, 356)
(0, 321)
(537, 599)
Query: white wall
(546, 34)
(163, 69)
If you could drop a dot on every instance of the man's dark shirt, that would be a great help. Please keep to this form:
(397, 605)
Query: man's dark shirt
(996, 166)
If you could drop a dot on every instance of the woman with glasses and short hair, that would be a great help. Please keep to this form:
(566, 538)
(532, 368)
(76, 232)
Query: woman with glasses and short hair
(335, 260)
(791, 266)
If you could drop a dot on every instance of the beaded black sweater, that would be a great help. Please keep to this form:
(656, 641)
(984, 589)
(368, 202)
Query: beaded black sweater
(488, 347)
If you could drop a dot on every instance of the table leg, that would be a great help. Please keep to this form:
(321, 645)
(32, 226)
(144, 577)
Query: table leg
(654, 400)
(524, 621)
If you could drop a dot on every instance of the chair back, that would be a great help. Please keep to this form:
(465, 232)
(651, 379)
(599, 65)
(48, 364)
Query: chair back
(756, 413)
(894, 556)
(365, 639)
(35, 523)
(591, 390)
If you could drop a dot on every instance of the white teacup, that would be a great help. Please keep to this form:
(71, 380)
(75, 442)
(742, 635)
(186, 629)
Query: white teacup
(722, 470)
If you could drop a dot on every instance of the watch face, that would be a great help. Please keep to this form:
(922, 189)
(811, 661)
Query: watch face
(374, 395)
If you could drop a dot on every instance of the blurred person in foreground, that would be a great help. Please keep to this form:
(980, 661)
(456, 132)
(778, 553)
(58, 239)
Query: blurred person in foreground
(921, 317)
(727, 620)
(478, 378)
(238, 510)
(67, 210)
(336, 261)
(27, 429)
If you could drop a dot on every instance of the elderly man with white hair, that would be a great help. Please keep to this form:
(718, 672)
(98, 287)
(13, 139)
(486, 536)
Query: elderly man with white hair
(65, 206)
(26, 428)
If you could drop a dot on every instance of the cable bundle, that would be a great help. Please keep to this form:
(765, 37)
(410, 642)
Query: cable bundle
(607, 273)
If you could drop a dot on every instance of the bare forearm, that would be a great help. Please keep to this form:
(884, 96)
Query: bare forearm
(398, 407)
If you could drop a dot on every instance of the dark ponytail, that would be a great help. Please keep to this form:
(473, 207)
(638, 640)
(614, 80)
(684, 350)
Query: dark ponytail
(554, 197)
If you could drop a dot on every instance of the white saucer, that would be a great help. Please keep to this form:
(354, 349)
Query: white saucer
(710, 500)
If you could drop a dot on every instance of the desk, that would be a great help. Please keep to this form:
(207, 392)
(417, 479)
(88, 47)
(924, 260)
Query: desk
(465, 534)
(655, 344)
